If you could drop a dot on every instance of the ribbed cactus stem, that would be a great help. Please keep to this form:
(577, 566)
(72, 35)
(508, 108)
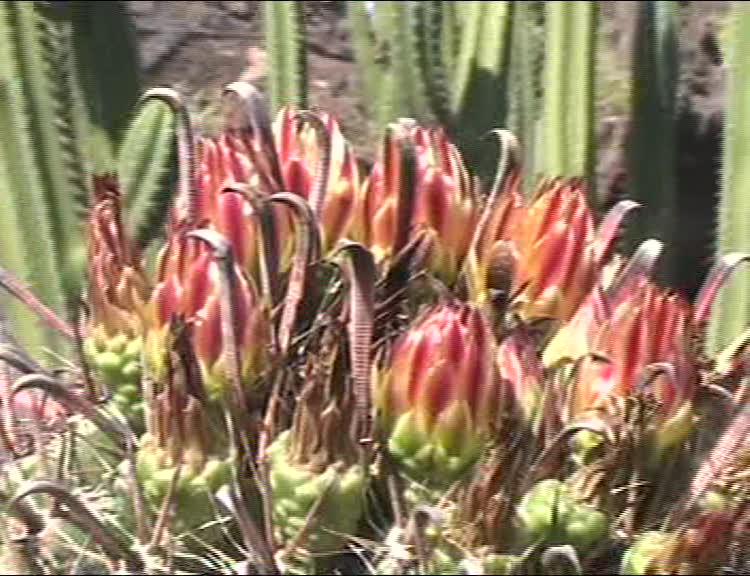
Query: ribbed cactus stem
(651, 146)
(523, 80)
(147, 166)
(69, 105)
(107, 65)
(431, 26)
(365, 55)
(471, 26)
(479, 91)
(284, 30)
(396, 21)
(48, 132)
(568, 108)
(32, 257)
(733, 313)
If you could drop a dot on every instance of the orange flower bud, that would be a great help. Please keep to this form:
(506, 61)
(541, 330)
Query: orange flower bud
(300, 156)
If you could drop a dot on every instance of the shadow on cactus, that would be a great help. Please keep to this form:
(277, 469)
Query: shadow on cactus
(395, 370)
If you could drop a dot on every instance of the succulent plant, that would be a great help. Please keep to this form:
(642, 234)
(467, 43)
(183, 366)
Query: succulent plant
(335, 368)
(188, 286)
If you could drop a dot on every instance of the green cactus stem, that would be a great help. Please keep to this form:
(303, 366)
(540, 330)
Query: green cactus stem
(107, 64)
(284, 30)
(568, 100)
(524, 83)
(479, 87)
(431, 25)
(651, 143)
(550, 511)
(733, 313)
(47, 126)
(32, 257)
(147, 163)
(365, 47)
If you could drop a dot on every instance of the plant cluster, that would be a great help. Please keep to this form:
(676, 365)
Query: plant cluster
(385, 370)
(281, 359)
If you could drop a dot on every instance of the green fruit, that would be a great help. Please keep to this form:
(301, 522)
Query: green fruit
(586, 528)
(714, 501)
(500, 563)
(585, 445)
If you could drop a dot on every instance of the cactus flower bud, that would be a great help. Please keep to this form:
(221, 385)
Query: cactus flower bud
(118, 291)
(234, 156)
(653, 326)
(558, 257)
(238, 157)
(522, 373)
(189, 286)
(301, 157)
(548, 254)
(701, 547)
(438, 398)
(444, 201)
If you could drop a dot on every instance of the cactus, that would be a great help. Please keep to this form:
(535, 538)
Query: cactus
(568, 100)
(367, 55)
(147, 164)
(651, 143)
(284, 31)
(34, 70)
(549, 511)
(732, 233)
(346, 368)
(49, 113)
(32, 256)
(524, 81)
(481, 65)
(433, 22)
